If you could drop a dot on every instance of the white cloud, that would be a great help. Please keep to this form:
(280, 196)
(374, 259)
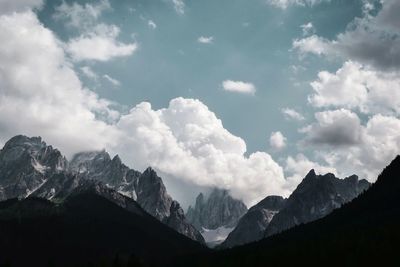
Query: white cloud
(179, 6)
(100, 44)
(152, 24)
(42, 95)
(335, 128)
(81, 16)
(40, 92)
(357, 87)
(239, 87)
(186, 140)
(372, 40)
(10, 6)
(283, 4)
(88, 72)
(291, 114)
(205, 40)
(307, 28)
(297, 167)
(97, 41)
(111, 80)
(277, 141)
(378, 145)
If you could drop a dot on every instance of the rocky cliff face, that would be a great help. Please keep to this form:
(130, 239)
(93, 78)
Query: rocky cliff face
(218, 210)
(315, 197)
(25, 164)
(252, 225)
(29, 167)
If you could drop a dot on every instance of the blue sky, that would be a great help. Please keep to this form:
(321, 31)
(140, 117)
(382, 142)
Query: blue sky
(242, 95)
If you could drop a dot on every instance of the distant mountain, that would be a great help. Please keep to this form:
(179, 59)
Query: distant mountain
(315, 197)
(219, 213)
(28, 167)
(87, 229)
(25, 164)
(252, 225)
(363, 232)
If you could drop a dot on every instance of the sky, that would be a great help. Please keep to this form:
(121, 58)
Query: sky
(246, 96)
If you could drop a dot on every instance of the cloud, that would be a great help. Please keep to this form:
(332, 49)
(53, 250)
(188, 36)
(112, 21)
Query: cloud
(111, 80)
(370, 40)
(283, 4)
(88, 72)
(356, 87)
(152, 24)
(96, 41)
(179, 6)
(296, 168)
(40, 92)
(379, 144)
(205, 40)
(81, 16)
(277, 141)
(100, 44)
(239, 87)
(307, 28)
(291, 114)
(42, 95)
(10, 6)
(335, 128)
(186, 140)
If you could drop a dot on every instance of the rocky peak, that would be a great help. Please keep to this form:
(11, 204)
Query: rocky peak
(252, 225)
(219, 210)
(315, 197)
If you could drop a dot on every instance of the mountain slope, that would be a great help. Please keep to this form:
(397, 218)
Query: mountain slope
(29, 167)
(315, 197)
(85, 228)
(217, 214)
(363, 232)
(252, 225)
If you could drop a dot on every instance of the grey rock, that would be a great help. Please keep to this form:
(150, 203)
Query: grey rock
(219, 210)
(252, 225)
(315, 197)
(25, 164)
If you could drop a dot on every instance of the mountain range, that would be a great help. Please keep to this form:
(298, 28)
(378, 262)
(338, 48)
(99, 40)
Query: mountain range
(95, 211)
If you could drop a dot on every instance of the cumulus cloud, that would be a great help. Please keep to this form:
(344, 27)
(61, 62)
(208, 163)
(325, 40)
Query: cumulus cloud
(42, 95)
(291, 114)
(296, 168)
(188, 141)
(40, 92)
(379, 144)
(205, 39)
(283, 4)
(335, 128)
(239, 87)
(97, 41)
(370, 40)
(99, 44)
(277, 141)
(356, 87)
(10, 6)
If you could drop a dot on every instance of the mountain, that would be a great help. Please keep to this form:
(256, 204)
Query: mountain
(252, 225)
(25, 164)
(362, 232)
(29, 167)
(86, 229)
(315, 197)
(216, 215)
